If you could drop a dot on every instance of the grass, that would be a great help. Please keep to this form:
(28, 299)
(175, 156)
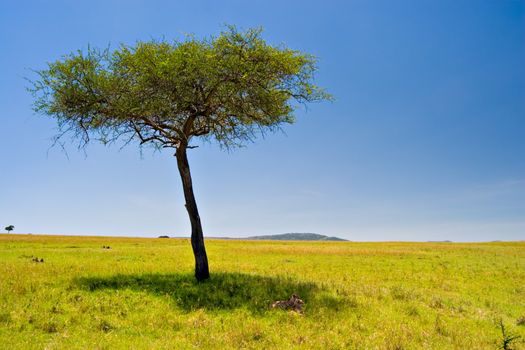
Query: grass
(140, 294)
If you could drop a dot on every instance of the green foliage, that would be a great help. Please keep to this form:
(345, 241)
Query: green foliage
(141, 295)
(227, 88)
(507, 339)
(9, 228)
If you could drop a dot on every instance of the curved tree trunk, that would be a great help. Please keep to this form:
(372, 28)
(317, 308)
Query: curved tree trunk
(197, 238)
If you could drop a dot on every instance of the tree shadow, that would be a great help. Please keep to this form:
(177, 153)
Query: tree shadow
(221, 291)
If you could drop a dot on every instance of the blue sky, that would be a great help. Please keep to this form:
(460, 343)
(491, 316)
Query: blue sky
(425, 140)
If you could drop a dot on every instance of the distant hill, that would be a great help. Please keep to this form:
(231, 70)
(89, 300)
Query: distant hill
(297, 237)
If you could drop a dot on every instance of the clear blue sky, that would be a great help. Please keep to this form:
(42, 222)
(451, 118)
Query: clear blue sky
(425, 141)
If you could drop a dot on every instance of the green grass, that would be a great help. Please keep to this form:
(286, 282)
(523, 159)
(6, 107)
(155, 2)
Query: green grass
(140, 294)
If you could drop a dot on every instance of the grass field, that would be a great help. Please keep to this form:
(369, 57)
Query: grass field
(140, 294)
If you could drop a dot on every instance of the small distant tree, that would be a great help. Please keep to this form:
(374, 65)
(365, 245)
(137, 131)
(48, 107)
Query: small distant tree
(227, 89)
(9, 228)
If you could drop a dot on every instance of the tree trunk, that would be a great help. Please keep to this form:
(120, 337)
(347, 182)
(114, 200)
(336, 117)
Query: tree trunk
(197, 238)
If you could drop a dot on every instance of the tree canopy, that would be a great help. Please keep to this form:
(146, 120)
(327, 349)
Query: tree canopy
(226, 88)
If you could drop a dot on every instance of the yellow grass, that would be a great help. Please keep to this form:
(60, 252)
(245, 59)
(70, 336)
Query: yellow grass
(140, 294)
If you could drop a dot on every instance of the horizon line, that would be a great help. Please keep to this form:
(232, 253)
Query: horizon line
(249, 238)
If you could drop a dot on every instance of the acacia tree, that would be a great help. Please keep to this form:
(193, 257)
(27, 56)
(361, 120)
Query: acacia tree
(226, 89)
(9, 228)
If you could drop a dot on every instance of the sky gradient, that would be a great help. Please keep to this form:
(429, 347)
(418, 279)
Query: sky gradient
(425, 139)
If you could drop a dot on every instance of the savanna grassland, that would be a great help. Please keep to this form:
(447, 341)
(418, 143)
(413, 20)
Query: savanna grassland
(140, 294)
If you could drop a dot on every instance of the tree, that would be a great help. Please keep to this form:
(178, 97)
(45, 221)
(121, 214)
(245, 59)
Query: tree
(9, 228)
(227, 89)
